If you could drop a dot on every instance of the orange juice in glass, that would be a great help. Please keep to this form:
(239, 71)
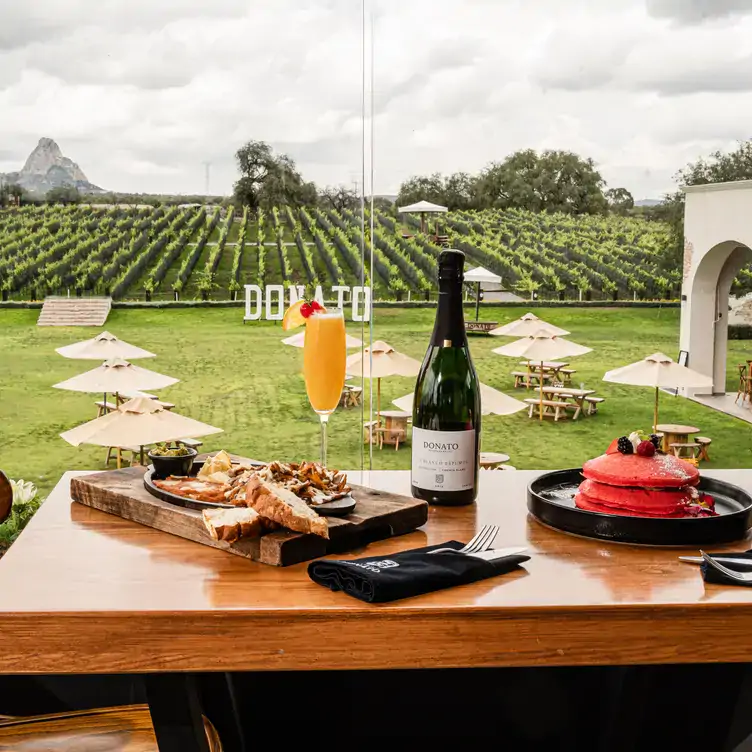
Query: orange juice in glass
(324, 356)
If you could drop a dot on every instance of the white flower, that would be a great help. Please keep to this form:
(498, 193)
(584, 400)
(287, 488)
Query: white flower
(23, 491)
(634, 437)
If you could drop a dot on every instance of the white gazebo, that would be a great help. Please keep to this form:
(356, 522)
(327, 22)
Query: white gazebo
(423, 208)
(717, 244)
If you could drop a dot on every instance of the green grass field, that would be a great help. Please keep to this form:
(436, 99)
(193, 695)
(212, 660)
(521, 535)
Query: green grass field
(240, 378)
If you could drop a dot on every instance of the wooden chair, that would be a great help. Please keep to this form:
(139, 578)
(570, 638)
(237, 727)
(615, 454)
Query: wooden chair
(704, 443)
(122, 729)
(592, 404)
(743, 389)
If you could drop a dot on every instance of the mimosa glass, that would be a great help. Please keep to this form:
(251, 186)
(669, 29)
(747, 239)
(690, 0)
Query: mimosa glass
(324, 355)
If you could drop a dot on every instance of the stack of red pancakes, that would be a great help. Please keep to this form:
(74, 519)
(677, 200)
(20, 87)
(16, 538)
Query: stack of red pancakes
(638, 486)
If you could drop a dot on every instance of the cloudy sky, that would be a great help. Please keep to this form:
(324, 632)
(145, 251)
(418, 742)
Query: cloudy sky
(142, 93)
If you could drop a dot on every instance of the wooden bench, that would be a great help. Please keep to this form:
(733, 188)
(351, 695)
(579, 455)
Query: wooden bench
(688, 452)
(523, 378)
(369, 431)
(551, 408)
(566, 374)
(393, 434)
(704, 442)
(190, 443)
(104, 407)
(592, 404)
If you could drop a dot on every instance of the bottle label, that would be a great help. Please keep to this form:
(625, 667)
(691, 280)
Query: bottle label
(443, 460)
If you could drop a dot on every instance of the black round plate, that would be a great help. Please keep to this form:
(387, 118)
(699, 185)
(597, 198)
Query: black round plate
(337, 508)
(550, 499)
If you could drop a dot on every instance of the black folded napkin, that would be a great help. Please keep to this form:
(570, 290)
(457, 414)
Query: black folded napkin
(377, 579)
(711, 574)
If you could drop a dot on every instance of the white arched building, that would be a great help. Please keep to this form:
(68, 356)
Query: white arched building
(717, 243)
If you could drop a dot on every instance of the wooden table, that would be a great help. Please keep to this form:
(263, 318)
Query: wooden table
(552, 367)
(395, 426)
(493, 459)
(675, 434)
(83, 591)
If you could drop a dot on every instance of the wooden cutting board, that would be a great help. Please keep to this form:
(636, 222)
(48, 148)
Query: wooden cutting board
(378, 515)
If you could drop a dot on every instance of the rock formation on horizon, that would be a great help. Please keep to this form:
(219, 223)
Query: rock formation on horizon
(46, 168)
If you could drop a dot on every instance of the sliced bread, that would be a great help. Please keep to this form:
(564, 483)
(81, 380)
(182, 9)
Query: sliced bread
(231, 524)
(276, 503)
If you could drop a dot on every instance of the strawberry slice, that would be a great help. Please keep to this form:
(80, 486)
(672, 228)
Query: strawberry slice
(613, 447)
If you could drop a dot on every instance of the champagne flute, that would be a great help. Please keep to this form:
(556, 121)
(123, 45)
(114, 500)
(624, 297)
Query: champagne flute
(324, 355)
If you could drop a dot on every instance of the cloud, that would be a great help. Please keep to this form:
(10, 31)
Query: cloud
(141, 94)
(695, 11)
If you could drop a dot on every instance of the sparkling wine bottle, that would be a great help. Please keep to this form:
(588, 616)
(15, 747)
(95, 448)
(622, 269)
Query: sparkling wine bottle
(446, 406)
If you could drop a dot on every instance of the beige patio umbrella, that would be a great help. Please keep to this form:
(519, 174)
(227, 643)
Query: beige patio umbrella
(137, 422)
(659, 371)
(540, 347)
(492, 402)
(423, 208)
(298, 340)
(386, 362)
(525, 326)
(114, 376)
(103, 347)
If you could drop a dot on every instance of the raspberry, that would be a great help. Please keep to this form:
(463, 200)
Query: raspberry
(316, 305)
(306, 310)
(646, 449)
(625, 445)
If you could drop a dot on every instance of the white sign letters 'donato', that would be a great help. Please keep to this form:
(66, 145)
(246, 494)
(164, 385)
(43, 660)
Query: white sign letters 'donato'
(269, 303)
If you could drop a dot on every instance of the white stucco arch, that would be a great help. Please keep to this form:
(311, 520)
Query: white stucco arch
(717, 243)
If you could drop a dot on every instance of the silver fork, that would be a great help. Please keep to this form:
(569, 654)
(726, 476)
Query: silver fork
(480, 542)
(730, 573)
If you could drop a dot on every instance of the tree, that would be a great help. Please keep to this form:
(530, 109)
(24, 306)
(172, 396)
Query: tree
(340, 197)
(422, 188)
(65, 194)
(459, 191)
(620, 200)
(268, 179)
(12, 195)
(554, 181)
(717, 168)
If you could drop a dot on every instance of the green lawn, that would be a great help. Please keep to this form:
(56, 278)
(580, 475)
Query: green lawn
(240, 378)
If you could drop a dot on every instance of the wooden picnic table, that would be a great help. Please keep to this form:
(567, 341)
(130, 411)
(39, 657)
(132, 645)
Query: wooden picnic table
(577, 396)
(394, 430)
(84, 591)
(675, 434)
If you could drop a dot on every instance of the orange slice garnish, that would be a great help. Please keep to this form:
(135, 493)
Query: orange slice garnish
(293, 318)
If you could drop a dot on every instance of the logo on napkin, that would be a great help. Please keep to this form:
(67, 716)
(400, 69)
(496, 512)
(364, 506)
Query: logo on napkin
(375, 566)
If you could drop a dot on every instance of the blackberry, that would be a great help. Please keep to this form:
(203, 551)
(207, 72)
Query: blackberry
(625, 445)
(655, 440)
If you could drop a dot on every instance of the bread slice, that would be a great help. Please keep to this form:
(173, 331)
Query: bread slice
(231, 524)
(282, 506)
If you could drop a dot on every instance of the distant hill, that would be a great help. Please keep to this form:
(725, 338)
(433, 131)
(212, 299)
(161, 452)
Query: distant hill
(648, 202)
(46, 168)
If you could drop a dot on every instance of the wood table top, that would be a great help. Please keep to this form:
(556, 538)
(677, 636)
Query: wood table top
(84, 591)
(395, 414)
(567, 390)
(673, 428)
